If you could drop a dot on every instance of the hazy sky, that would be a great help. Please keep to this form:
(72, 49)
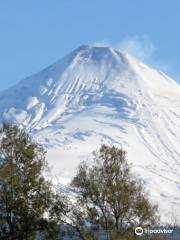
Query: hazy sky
(35, 33)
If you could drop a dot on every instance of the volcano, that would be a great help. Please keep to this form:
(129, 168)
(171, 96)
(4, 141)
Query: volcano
(97, 95)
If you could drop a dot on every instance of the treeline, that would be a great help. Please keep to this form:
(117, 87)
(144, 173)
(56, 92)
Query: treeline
(107, 201)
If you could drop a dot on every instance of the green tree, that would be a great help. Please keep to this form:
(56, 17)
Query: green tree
(28, 203)
(110, 197)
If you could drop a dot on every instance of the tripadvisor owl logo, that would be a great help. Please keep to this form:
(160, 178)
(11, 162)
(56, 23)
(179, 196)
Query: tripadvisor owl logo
(138, 231)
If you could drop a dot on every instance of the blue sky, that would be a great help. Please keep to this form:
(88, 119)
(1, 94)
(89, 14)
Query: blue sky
(36, 33)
